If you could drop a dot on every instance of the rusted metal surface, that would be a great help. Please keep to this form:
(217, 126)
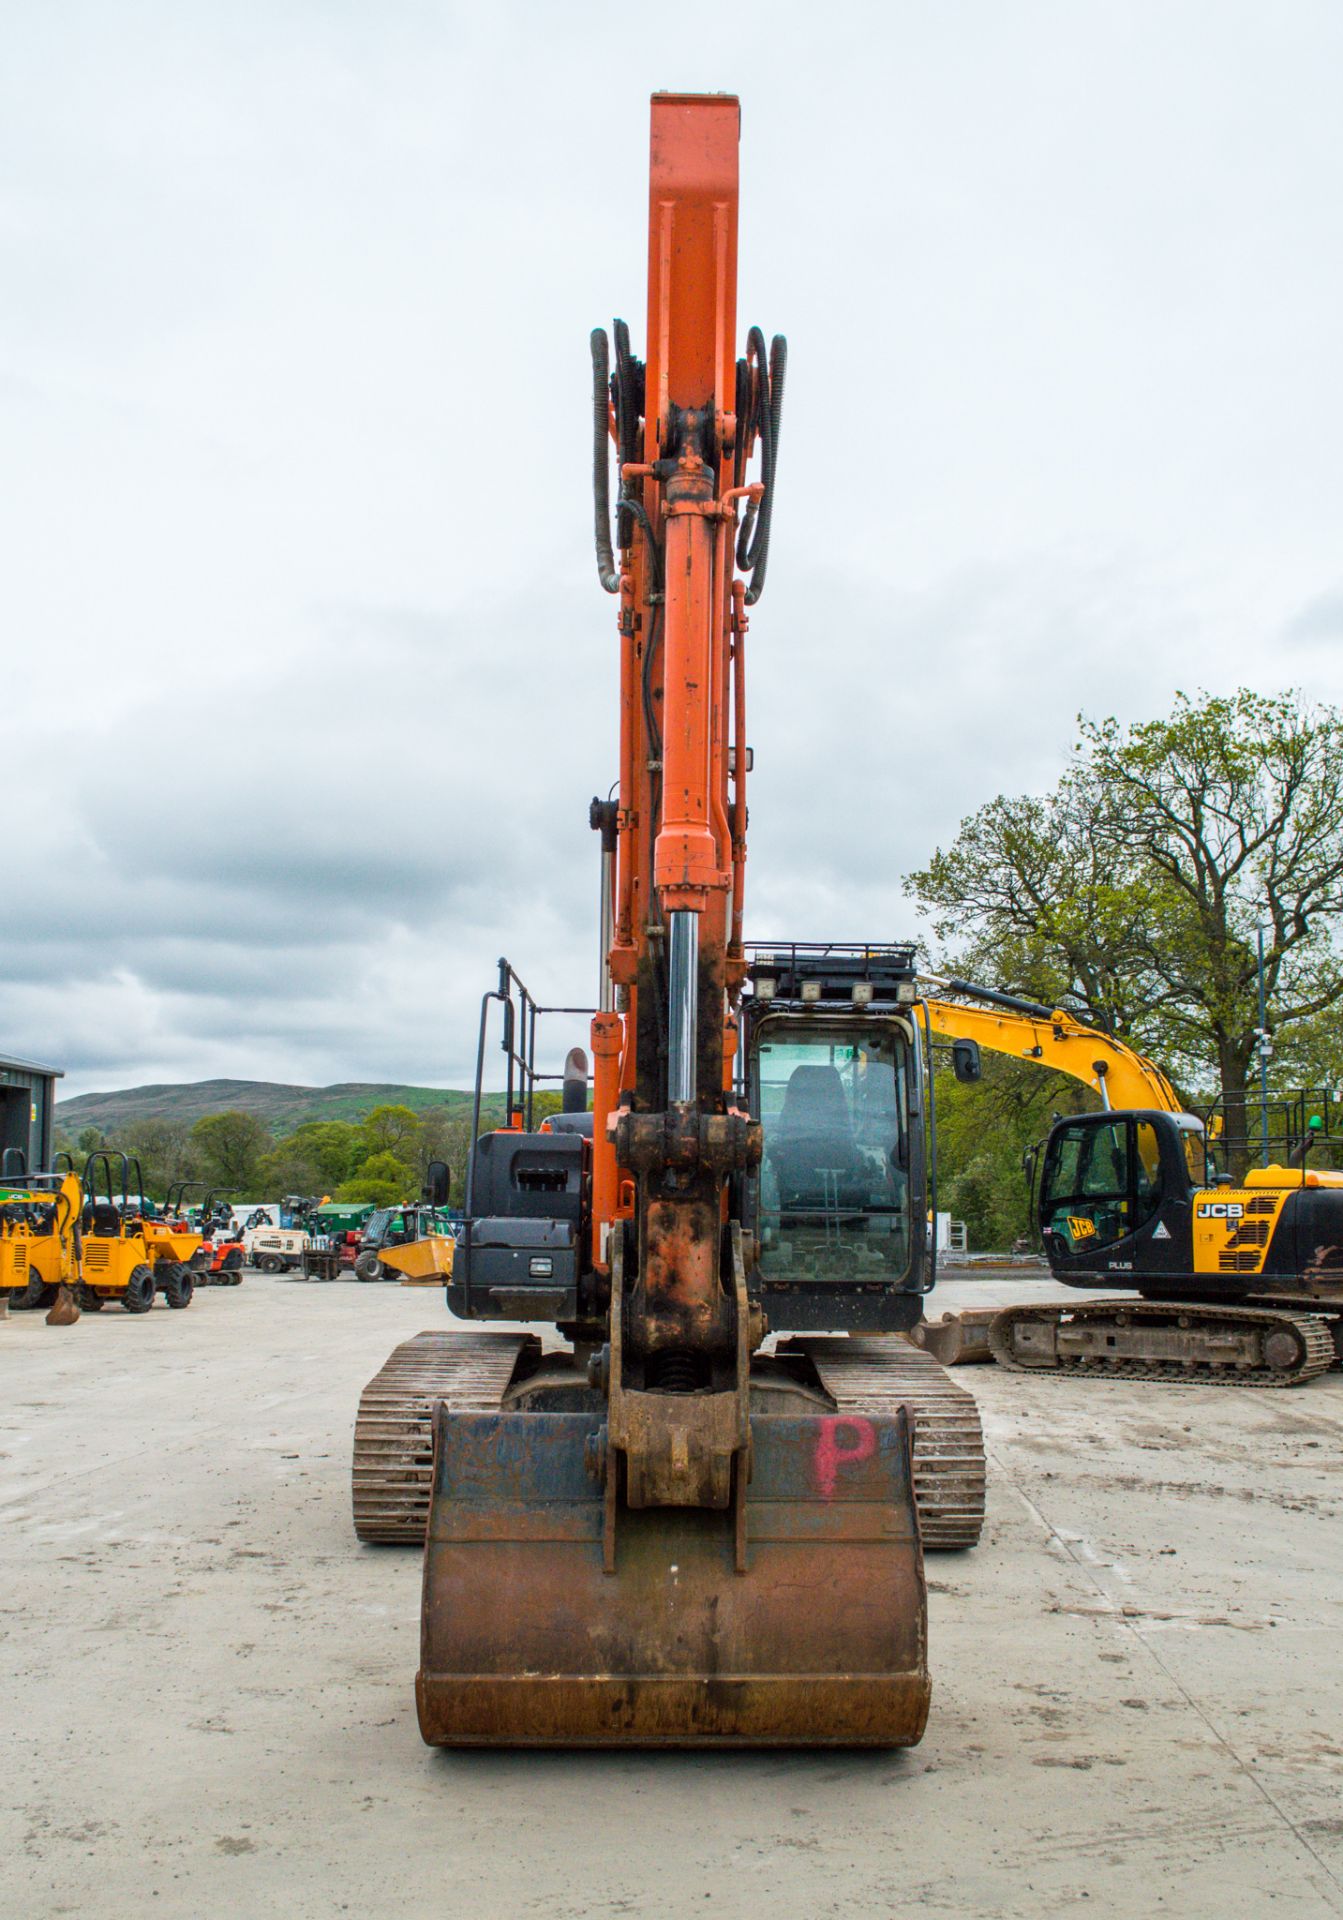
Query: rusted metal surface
(393, 1431)
(957, 1339)
(678, 1449)
(877, 1376)
(677, 1300)
(526, 1641)
(1232, 1346)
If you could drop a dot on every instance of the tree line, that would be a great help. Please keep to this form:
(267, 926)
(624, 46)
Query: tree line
(383, 1158)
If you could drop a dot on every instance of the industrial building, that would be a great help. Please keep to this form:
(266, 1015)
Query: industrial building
(27, 1107)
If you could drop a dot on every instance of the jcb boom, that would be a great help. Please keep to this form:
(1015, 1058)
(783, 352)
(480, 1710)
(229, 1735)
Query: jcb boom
(1240, 1283)
(660, 1535)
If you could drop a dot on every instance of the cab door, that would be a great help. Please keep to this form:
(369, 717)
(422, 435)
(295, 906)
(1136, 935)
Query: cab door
(1106, 1192)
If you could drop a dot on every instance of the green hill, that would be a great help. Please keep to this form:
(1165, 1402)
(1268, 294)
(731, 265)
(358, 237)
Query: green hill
(280, 1107)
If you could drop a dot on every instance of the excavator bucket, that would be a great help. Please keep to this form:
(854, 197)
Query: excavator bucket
(820, 1639)
(422, 1263)
(63, 1312)
(957, 1339)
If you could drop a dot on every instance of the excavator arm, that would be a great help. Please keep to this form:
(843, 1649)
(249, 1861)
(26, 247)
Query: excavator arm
(663, 1535)
(1050, 1038)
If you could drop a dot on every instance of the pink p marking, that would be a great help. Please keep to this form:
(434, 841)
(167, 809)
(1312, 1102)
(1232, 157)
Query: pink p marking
(833, 1452)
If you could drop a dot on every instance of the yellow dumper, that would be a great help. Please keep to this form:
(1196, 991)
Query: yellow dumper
(126, 1255)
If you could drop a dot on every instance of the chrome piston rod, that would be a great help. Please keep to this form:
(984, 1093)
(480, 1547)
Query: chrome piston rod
(606, 998)
(683, 1008)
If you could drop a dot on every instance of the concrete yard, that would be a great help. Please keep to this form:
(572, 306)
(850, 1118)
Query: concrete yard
(1138, 1703)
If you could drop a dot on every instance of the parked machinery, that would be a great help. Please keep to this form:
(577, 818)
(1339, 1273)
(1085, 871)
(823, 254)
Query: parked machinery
(40, 1237)
(661, 1534)
(219, 1260)
(1240, 1280)
(335, 1236)
(389, 1230)
(424, 1258)
(275, 1237)
(128, 1257)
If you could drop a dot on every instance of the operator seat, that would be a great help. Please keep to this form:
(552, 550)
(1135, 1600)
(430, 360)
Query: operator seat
(811, 1148)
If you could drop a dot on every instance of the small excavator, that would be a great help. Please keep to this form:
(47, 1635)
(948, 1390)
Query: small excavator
(1239, 1281)
(40, 1237)
(700, 1519)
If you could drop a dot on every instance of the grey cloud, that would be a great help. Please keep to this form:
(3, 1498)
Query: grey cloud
(311, 679)
(1319, 622)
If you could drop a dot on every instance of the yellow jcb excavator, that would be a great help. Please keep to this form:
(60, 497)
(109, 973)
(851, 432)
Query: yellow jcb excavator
(1239, 1282)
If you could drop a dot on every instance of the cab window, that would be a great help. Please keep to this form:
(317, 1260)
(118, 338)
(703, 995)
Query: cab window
(1197, 1157)
(834, 1194)
(1101, 1182)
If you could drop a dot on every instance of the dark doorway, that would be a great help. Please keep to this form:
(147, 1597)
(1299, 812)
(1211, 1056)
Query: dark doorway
(15, 1118)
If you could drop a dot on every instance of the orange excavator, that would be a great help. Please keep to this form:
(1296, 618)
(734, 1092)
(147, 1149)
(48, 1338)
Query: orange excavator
(699, 1521)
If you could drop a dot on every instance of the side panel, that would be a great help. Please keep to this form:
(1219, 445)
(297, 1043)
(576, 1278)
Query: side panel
(1232, 1227)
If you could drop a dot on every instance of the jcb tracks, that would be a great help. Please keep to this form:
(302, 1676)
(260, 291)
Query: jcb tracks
(393, 1430)
(1176, 1341)
(876, 1376)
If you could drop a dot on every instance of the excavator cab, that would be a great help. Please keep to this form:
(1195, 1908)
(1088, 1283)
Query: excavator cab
(834, 1074)
(1116, 1192)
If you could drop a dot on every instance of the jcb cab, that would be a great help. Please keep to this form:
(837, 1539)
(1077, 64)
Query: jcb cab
(1129, 1194)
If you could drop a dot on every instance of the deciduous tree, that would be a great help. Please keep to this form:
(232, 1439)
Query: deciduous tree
(1133, 891)
(231, 1147)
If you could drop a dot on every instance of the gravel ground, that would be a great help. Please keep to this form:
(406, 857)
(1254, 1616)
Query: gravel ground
(1138, 1696)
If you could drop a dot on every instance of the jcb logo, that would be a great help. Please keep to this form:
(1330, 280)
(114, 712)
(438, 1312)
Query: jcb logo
(1220, 1210)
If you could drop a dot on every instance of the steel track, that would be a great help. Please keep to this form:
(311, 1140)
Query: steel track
(393, 1440)
(393, 1430)
(1312, 1331)
(877, 1376)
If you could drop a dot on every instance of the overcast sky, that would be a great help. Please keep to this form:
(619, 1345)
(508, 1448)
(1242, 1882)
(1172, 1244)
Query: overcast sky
(307, 675)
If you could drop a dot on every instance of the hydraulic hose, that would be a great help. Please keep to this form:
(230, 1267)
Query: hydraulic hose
(636, 509)
(627, 395)
(758, 425)
(778, 368)
(766, 421)
(601, 466)
(771, 422)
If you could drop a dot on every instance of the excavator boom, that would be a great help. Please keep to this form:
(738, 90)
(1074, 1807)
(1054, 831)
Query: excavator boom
(1051, 1038)
(662, 1534)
